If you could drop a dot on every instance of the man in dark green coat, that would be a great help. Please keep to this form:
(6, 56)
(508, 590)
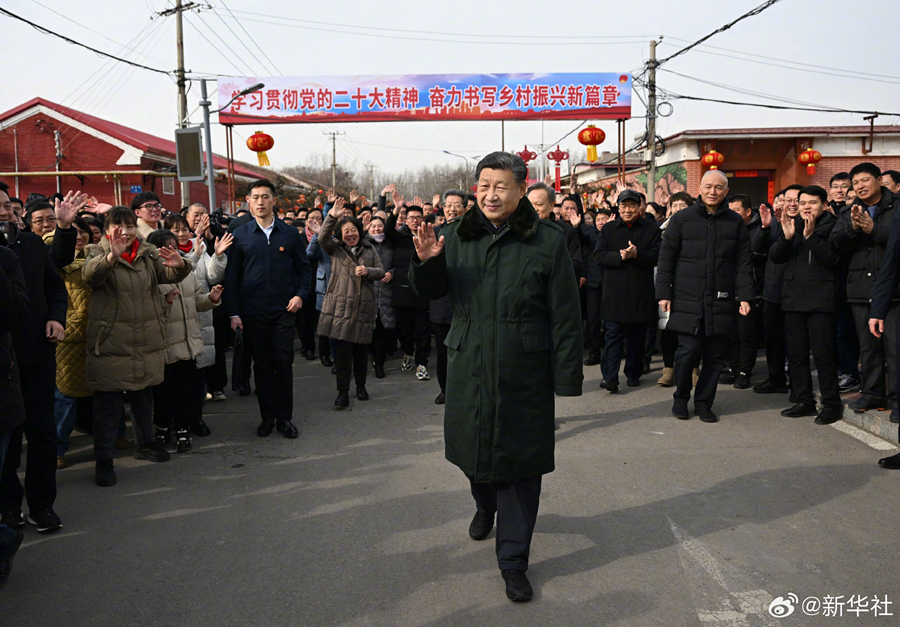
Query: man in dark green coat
(514, 342)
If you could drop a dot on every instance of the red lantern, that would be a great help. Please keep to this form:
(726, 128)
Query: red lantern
(259, 143)
(810, 158)
(591, 137)
(713, 159)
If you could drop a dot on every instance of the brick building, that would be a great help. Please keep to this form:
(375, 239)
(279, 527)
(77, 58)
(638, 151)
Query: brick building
(110, 162)
(761, 161)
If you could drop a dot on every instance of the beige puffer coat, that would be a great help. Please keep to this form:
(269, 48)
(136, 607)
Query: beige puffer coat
(126, 336)
(183, 337)
(348, 311)
(70, 353)
(209, 271)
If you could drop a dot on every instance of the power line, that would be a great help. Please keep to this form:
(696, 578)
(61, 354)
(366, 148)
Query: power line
(756, 11)
(780, 107)
(569, 38)
(455, 41)
(212, 45)
(253, 39)
(240, 39)
(47, 31)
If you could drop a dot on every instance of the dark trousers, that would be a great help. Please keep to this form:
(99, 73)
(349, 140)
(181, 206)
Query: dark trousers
(7, 535)
(650, 340)
(217, 375)
(272, 342)
(633, 335)
(516, 504)
(773, 325)
(669, 343)
(325, 346)
(440, 334)
(307, 323)
(351, 356)
(816, 331)
(38, 392)
(414, 331)
(108, 409)
(876, 384)
(594, 332)
(176, 401)
(847, 342)
(379, 342)
(745, 343)
(691, 349)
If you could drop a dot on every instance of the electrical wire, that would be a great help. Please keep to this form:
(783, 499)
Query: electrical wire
(211, 44)
(721, 29)
(243, 43)
(47, 31)
(455, 41)
(779, 107)
(263, 52)
(446, 34)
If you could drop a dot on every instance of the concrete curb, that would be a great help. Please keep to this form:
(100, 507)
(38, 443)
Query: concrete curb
(873, 423)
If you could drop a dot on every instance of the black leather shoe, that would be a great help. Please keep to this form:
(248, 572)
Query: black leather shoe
(440, 399)
(680, 409)
(481, 525)
(244, 389)
(105, 473)
(895, 415)
(770, 388)
(310, 355)
(633, 383)
(325, 358)
(591, 361)
(799, 410)
(742, 382)
(379, 371)
(829, 415)
(287, 428)
(891, 463)
(646, 369)
(705, 414)
(518, 588)
(862, 404)
(727, 377)
(265, 428)
(361, 393)
(343, 399)
(199, 428)
(612, 386)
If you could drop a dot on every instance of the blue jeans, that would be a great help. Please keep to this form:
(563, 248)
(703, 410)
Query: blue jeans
(7, 535)
(633, 335)
(66, 411)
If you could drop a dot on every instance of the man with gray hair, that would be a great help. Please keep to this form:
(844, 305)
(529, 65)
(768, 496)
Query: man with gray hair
(704, 270)
(542, 198)
(515, 340)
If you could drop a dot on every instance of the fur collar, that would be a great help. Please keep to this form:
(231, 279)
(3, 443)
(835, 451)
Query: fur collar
(523, 223)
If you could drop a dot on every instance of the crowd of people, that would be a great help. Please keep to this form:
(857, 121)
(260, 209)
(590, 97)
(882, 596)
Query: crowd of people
(106, 307)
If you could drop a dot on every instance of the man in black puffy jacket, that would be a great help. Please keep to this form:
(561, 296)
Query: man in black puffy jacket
(809, 301)
(704, 270)
(864, 231)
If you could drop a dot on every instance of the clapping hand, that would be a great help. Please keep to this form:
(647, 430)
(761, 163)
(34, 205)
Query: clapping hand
(223, 243)
(171, 257)
(629, 253)
(809, 225)
(861, 219)
(361, 271)
(203, 226)
(427, 246)
(787, 225)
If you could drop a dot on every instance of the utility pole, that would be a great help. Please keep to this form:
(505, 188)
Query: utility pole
(177, 10)
(371, 169)
(334, 135)
(651, 122)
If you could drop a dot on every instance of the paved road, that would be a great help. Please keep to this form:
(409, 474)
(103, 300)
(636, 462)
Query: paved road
(647, 521)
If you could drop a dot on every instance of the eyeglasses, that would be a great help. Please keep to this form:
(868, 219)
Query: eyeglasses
(153, 207)
(42, 221)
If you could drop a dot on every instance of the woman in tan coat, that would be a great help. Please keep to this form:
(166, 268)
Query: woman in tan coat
(126, 336)
(348, 311)
(175, 400)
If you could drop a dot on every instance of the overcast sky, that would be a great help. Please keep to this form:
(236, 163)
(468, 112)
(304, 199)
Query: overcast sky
(401, 37)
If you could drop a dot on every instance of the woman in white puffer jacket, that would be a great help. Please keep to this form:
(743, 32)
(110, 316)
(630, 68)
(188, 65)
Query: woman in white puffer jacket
(209, 270)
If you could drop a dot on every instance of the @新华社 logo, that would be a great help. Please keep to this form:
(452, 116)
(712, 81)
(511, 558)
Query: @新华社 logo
(781, 607)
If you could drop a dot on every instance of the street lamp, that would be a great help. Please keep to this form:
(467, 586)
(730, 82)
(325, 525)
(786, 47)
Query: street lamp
(205, 103)
(452, 154)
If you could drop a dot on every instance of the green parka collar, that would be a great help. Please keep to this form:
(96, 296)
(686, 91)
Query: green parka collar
(523, 223)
